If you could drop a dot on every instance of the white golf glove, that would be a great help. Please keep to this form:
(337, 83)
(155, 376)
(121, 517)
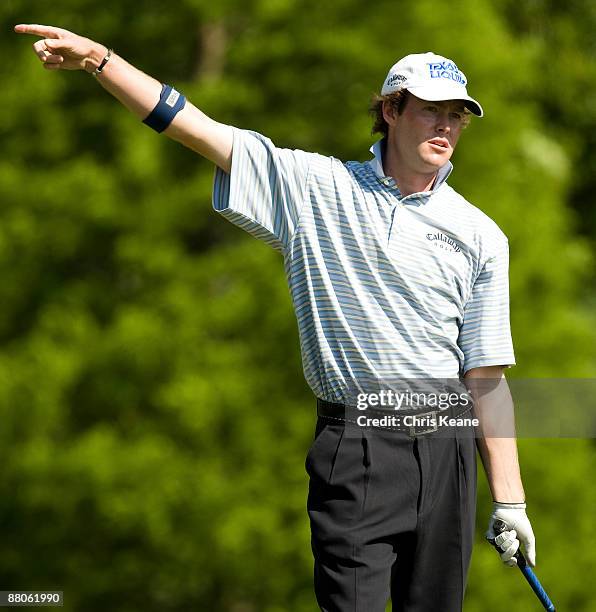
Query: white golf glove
(518, 529)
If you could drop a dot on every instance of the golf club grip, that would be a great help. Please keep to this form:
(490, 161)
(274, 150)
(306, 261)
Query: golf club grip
(500, 526)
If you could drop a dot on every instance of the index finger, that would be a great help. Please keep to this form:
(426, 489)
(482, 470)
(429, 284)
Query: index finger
(39, 30)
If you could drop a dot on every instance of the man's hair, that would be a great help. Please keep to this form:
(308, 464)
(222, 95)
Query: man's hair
(398, 100)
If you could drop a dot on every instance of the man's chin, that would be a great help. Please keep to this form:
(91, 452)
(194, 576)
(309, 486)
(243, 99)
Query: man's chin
(435, 161)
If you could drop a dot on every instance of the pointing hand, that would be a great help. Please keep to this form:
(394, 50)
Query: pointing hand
(61, 49)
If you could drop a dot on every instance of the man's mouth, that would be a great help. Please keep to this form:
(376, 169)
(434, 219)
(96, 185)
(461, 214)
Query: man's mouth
(439, 142)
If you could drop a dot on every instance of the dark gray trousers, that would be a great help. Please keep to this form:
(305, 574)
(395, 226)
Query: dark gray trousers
(391, 516)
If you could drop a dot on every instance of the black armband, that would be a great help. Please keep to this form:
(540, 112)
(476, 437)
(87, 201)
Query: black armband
(170, 103)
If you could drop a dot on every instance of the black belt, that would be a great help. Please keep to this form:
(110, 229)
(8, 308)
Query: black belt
(414, 423)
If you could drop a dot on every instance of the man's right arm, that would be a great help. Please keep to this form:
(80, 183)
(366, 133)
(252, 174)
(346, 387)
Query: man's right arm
(64, 50)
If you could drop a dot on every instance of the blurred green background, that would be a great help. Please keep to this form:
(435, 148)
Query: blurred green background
(153, 415)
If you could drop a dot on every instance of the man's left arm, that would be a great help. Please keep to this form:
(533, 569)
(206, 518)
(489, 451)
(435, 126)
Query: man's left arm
(497, 445)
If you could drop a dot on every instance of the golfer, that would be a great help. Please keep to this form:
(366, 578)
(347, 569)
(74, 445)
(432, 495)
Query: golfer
(393, 275)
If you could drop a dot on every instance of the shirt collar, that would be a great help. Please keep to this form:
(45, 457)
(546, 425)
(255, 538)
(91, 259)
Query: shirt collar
(378, 148)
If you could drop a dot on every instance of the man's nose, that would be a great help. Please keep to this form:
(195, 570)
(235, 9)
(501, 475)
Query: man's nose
(442, 125)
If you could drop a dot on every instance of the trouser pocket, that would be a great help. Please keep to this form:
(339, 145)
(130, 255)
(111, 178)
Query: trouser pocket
(321, 455)
(338, 465)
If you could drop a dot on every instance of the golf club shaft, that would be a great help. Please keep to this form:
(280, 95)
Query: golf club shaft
(500, 526)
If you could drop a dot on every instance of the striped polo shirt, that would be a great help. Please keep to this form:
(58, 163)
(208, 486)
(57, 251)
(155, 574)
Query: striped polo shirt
(383, 286)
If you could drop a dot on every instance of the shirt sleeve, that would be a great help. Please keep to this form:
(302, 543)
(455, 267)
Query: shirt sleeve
(485, 333)
(264, 191)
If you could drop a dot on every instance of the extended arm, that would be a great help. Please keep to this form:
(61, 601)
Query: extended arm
(64, 50)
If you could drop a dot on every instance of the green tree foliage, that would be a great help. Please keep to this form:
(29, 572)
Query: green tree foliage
(153, 416)
(563, 36)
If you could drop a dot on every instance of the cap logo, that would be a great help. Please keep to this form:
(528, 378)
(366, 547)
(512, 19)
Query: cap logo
(446, 70)
(396, 79)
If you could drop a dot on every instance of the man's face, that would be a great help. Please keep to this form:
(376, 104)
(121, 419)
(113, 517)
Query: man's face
(424, 136)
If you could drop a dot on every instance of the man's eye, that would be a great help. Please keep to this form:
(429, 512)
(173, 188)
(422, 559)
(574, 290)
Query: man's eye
(433, 109)
(456, 115)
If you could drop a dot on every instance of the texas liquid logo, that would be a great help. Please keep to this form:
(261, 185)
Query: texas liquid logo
(446, 70)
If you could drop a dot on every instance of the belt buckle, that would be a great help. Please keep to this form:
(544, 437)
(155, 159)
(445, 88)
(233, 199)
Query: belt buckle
(415, 430)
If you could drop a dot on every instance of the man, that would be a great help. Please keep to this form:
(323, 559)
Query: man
(392, 275)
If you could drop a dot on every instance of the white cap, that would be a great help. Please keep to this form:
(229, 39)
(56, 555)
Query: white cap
(430, 77)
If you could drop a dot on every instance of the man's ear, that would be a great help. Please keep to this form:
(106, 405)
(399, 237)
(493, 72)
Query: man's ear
(389, 112)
